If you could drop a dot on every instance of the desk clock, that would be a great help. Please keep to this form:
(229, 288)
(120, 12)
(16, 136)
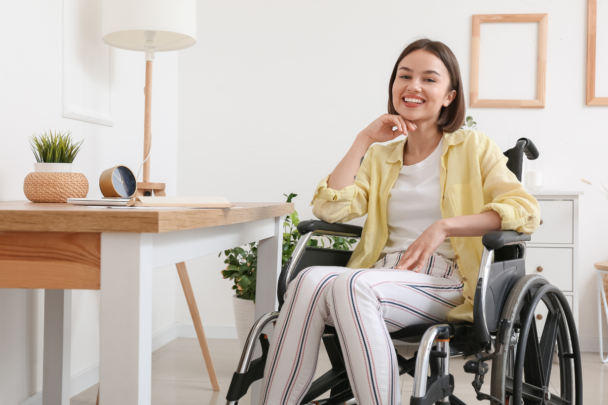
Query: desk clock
(117, 181)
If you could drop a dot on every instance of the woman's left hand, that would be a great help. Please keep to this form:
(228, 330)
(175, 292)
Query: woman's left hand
(419, 252)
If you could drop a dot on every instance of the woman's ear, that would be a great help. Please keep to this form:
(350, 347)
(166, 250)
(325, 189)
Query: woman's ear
(449, 98)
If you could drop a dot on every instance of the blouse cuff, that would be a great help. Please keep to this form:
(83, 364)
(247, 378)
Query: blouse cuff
(329, 194)
(510, 218)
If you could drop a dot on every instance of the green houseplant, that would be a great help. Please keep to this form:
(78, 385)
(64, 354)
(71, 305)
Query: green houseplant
(52, 180)
(54, 152)
(468, 123)
(242, 261)
(241, 265)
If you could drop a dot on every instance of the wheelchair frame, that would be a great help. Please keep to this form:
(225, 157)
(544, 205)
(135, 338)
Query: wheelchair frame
(503, 331)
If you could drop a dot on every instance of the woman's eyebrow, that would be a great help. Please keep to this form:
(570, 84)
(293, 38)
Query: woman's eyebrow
(426, 71)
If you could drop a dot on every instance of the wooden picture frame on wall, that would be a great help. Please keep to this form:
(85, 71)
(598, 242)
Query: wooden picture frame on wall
(592, 99)
(541, 73)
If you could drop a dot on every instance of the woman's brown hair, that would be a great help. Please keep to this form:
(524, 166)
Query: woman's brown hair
(452, 116)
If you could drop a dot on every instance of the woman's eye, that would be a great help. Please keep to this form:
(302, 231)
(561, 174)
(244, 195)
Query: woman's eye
(407, 77)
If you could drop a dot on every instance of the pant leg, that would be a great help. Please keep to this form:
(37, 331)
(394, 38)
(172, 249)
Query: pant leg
(294, 345)
(366, 305)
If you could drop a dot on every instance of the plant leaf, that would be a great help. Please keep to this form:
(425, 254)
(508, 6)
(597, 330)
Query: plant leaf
(244, 282)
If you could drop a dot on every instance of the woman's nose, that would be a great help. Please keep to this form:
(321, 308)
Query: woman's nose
(414, 86)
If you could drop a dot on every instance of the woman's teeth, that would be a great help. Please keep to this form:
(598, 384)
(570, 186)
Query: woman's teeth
(413, 100)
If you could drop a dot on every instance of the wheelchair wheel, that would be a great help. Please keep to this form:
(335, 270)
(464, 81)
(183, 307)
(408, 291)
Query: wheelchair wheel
(521, 373)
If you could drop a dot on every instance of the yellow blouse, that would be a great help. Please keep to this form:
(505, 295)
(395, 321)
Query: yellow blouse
(474, 177)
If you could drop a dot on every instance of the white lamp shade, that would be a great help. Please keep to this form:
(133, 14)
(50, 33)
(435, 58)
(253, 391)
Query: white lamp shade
(125, 21)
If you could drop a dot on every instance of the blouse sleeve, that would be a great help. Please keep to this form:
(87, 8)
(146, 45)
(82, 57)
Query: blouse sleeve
(518, 209)
(349, 203)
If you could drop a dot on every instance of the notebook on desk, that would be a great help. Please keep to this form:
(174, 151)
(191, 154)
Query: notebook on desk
(103, 202)
(180, 202)
(155, 202)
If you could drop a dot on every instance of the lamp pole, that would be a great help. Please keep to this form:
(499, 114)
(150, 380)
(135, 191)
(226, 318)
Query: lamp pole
(146, 188)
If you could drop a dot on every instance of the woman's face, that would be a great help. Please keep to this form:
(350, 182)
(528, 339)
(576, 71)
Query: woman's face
(422, 86)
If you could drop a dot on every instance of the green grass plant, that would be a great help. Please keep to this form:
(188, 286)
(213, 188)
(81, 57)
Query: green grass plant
(55, 147)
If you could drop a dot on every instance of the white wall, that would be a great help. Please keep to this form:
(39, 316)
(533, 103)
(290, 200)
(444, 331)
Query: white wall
(269, 100)
(30, 102)
(274, 93)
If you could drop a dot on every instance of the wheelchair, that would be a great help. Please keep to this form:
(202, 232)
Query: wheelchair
(504, 331)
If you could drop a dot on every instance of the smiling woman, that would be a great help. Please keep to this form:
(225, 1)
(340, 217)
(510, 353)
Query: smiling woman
(415, 262)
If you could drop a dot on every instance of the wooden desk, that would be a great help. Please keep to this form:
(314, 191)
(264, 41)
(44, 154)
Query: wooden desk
(60, 247)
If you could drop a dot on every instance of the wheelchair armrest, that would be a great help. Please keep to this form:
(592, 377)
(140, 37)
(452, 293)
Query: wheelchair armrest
(497, 239)
(326, 228)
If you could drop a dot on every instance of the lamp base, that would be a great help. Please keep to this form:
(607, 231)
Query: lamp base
(146, 189)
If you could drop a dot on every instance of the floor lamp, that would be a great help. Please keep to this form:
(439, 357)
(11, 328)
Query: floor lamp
(149, 26)
(156, 26)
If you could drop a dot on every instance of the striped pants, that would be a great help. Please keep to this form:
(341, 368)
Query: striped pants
(364, 305)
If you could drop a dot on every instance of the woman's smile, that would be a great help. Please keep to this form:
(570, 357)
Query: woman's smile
(413, 101)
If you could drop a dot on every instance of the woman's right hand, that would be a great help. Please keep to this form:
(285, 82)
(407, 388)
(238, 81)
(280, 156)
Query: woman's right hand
(381, 129)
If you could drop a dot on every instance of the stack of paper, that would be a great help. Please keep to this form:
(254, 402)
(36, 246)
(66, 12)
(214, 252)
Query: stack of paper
(178, 202)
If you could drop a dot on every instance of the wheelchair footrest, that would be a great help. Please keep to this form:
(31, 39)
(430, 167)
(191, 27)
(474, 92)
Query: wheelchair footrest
(241, 381)
(438, 388)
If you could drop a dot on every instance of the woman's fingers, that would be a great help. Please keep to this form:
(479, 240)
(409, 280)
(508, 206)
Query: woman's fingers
(408, 258)
(402, 261)
(401, 127)
(421, 263)
(388, 127)
(415, 260)
(426, 256)
(410, 125)
(411, 264)
(389, 121)
(403, 124)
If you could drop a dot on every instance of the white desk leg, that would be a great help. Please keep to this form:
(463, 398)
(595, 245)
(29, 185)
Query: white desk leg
(601, 299)
(57, 347)
(269, 269)
(125, 372)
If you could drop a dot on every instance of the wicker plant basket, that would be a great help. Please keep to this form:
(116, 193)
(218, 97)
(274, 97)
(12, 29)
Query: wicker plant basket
(55, 187)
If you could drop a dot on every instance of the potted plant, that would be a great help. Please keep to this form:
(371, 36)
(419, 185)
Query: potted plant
(54, 152)
(52, 179)
(242, 265)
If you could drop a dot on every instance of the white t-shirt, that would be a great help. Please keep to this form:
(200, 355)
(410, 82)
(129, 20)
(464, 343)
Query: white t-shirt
(414, 205)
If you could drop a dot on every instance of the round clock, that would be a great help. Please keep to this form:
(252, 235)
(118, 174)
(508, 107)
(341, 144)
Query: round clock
(117, 181)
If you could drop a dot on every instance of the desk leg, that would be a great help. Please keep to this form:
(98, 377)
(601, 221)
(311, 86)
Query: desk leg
(57, 347)
(269, 268)
(125, 371)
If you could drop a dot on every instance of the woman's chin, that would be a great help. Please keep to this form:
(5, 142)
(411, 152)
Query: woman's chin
(409, 115)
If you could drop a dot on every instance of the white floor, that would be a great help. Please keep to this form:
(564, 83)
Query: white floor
(180, 377)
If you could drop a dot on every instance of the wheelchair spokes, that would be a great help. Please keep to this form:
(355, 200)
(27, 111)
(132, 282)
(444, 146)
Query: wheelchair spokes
(534, 360)
(521, 373)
